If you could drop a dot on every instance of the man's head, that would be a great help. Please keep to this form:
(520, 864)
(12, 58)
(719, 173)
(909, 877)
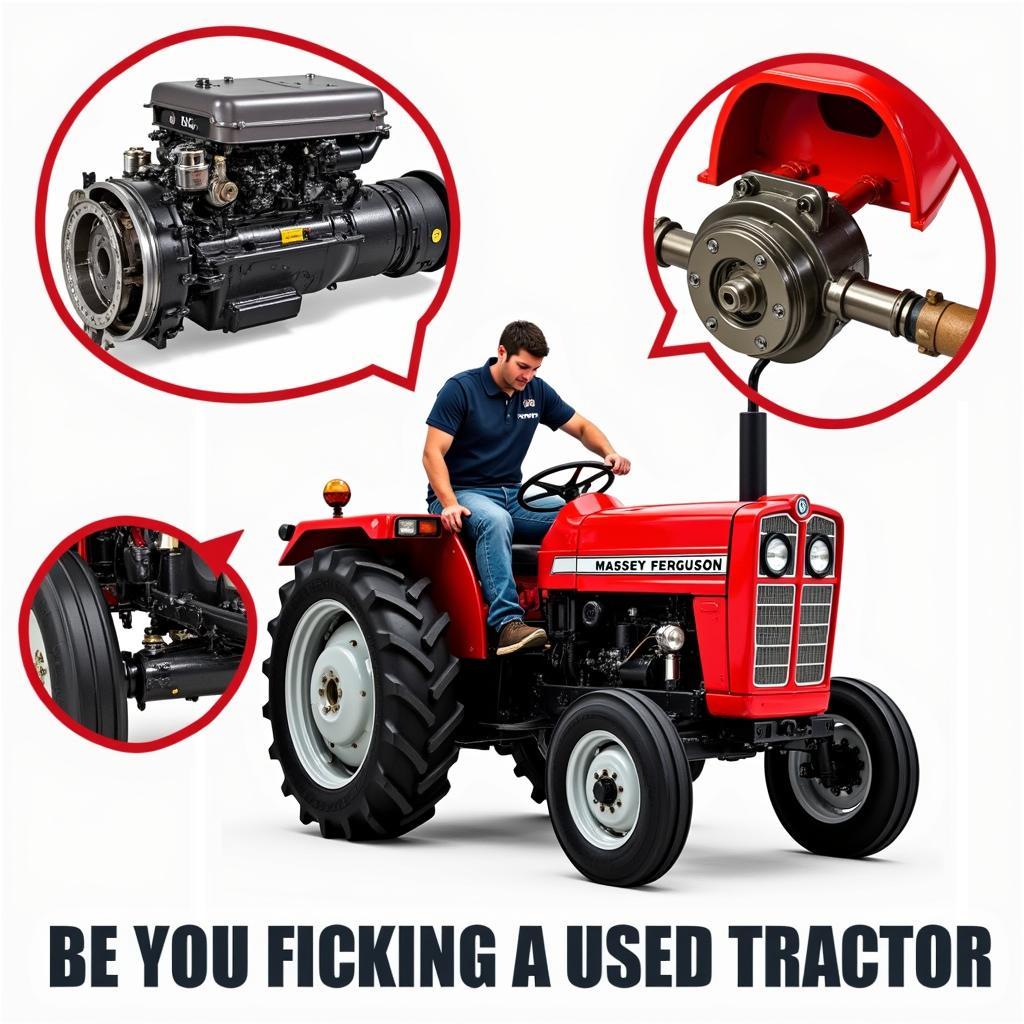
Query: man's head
(521, 350)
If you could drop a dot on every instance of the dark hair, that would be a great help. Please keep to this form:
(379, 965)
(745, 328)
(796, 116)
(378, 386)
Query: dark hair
(522, 334)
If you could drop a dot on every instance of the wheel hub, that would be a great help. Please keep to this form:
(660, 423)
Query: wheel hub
(843, 794)
(329, 692)
(603, 789)
(339, 692)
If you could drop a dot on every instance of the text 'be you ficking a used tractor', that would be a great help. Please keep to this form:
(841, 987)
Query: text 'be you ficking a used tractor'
(677, 633)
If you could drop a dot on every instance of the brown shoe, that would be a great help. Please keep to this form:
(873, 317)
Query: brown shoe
(518, 636)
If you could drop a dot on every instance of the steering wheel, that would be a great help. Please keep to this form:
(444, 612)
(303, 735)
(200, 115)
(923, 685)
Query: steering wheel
(577, 484)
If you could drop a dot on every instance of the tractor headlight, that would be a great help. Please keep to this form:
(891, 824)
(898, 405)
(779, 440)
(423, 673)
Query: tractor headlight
(670, 638)
(776, 554)
(819, 556)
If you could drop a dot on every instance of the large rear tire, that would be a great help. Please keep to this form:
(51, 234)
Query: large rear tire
(875, 788)
(362, 697)
(530, 764)
(618, 785)
(75, 649)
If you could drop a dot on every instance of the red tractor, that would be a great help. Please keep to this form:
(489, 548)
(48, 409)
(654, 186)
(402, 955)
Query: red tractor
(677, 633)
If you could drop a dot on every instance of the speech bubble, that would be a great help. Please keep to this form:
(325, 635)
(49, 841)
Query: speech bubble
(214, 553)
(406, 379)
(663, 348)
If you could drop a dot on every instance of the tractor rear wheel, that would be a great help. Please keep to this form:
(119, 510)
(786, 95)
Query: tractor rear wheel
(868, 801)
(530, 764)
(619, 791)
(75, 649)
(362, 697)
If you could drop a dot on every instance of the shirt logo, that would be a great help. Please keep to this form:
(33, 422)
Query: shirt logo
(529, 403)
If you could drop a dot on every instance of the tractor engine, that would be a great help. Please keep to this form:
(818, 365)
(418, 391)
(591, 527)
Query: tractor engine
(249, 201)
(627, 640)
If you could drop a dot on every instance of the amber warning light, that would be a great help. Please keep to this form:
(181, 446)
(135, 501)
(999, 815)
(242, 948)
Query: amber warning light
(337, 494)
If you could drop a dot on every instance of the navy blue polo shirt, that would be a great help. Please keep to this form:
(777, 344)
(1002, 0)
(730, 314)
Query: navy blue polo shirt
(492, 431)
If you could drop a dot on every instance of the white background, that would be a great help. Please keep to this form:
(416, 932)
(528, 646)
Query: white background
(553, 118)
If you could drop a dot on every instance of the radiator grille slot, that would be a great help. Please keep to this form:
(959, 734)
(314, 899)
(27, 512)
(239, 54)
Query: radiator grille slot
(812, 642)
(773, 635)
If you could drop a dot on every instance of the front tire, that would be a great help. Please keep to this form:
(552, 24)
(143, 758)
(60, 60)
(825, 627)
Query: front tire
(75, 649)
(618, 785)
(362, 696)
(876, 776)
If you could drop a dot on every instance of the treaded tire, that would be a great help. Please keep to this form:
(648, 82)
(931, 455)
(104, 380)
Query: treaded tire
(530, 764)
(663, 823)
(87, 676)
(890, 798)
(404, 772)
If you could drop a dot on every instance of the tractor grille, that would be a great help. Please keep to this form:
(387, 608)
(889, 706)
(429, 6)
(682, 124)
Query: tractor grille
(773, 634)
(812, 643)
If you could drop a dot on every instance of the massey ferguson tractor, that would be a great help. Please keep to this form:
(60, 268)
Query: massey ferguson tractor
(191, 646)
(677, 633)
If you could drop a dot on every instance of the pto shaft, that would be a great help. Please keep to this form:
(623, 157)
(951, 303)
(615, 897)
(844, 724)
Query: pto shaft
(936, 326)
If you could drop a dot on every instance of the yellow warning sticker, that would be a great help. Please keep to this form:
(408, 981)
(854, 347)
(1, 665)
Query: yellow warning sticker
(436, 235)
(289, 235)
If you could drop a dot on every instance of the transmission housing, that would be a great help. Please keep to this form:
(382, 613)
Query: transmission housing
(250, 201)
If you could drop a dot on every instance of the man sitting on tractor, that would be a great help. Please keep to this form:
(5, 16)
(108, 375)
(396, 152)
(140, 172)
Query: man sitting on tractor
(478, 433)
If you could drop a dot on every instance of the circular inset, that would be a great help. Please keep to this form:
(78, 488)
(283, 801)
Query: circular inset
(128, 614)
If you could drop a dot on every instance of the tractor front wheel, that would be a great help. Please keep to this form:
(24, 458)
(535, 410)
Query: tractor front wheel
(618, 787)
(75, 650)
(867, 799)
(362, 697)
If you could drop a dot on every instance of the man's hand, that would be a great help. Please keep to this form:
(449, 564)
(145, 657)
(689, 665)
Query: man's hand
(619, 464)
(451, 517)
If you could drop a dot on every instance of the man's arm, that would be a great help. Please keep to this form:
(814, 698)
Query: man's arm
(593, 439)
(434, 449)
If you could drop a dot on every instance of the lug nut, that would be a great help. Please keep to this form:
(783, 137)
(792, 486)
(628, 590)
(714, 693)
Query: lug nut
(694, 280)
(712, 245)
(760, 261)
(778, 310)
(711, 323)
(761, 342)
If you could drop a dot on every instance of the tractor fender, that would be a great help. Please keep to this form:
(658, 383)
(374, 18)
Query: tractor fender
(842, 123)
(440, 557)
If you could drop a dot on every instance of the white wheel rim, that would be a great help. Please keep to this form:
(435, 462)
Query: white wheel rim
(599, 763)
(329, 694)
(37, 648)
(820, 802)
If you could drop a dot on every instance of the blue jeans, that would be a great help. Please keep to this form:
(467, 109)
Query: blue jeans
(497, 520)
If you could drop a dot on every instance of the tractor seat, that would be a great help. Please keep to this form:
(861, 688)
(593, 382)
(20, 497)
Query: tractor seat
(524, 559)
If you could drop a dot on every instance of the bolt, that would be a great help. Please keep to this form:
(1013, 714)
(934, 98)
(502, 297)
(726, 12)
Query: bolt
(620, 789)
(355, 744)
(761, 342)
(711, 323)
(712, 245)
(760, 261)
(596, 776)
(743, 186)
(604, 772)
(694, 280)
(353, 643)
(618, 803)
(332, 744)
(362, 693)
(615, 775)
(805, 204)
(602, 808)
(778, 310)
(321, 691)
(595, 799)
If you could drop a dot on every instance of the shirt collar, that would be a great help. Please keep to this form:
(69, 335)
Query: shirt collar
(488, 379)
